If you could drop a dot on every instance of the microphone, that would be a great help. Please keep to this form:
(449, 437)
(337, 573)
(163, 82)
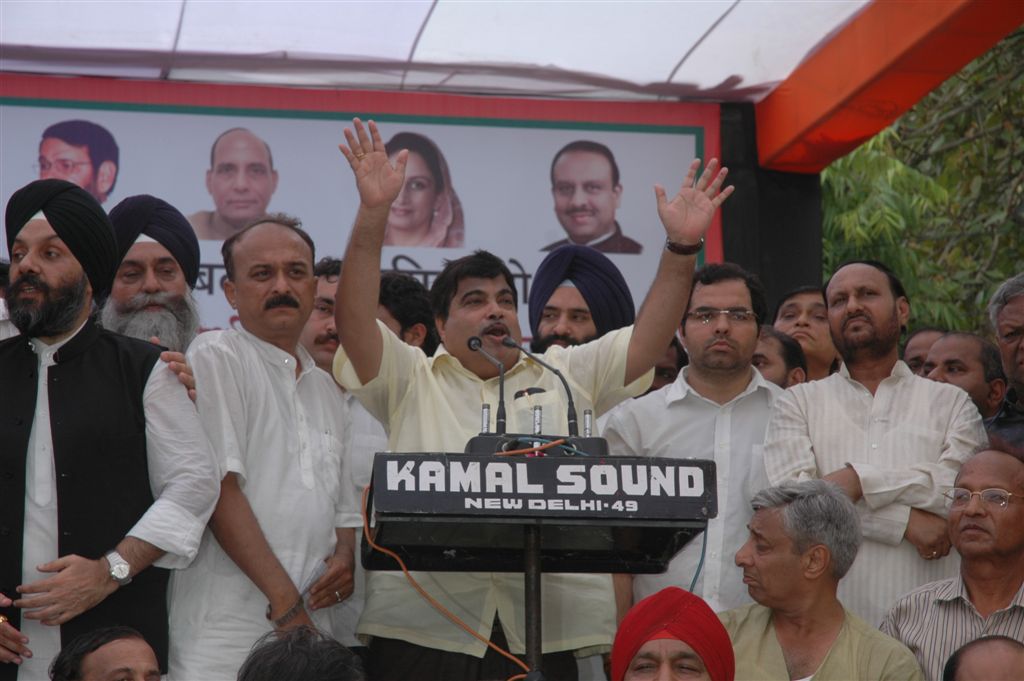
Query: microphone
(476, 345)
(574, 430)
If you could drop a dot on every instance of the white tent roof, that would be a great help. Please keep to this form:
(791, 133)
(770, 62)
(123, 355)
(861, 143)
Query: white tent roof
(729, 50)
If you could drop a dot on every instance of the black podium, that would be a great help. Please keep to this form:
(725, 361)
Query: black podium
(556, 513)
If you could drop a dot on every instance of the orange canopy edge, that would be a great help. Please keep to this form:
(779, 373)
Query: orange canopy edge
(880, 64)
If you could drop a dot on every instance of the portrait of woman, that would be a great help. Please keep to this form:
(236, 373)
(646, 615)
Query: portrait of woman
(427, 212)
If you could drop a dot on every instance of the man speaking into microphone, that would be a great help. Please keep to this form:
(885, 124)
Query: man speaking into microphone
(433, 404)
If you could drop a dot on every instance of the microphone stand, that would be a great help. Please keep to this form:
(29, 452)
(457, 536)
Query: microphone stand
(574, 430)
(476, 345)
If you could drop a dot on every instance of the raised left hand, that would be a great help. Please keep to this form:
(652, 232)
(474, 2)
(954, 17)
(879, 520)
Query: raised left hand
(78, 585)
(336, 584)
(687, 216)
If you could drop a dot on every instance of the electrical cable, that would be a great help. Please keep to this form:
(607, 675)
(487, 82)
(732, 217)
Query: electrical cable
(700, 564)
(430, 599)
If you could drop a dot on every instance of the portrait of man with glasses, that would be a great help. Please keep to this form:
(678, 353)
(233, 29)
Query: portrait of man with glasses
(81, 152)
(986, 527)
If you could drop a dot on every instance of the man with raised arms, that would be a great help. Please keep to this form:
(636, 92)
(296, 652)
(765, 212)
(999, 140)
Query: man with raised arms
(433, 404)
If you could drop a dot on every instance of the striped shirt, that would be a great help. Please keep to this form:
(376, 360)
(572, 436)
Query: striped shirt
(934, 620)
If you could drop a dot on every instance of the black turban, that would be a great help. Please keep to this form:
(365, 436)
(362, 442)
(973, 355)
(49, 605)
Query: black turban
(77, 219)
(599, 282)
(159, 220)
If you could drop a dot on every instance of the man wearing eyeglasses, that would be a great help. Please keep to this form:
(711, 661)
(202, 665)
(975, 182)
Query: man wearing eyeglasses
(717, 408)
(80, 152)
(891, 440)
(986, 525)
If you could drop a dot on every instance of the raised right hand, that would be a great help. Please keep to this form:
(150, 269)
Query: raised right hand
(378, 182)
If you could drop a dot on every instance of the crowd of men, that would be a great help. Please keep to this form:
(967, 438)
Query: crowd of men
(190, 504)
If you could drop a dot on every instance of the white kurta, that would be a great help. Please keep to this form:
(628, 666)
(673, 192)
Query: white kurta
(282, 435)
(906, 442)
(365, 437)
(676, 422)
(182, 475)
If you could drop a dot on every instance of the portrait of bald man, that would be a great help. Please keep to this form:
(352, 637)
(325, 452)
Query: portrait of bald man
(159, 264)
(241, 180)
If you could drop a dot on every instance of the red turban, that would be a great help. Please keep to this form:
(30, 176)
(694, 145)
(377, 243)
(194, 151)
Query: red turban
(674, 613)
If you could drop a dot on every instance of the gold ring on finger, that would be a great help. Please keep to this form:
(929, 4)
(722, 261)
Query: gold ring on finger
(360, 155)
(3, 619)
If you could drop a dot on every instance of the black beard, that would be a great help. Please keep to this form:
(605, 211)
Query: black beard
(54, 315)
(540, 345)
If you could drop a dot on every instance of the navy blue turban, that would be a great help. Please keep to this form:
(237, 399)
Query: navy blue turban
(596, 277)
(162, 222)
(77, 219)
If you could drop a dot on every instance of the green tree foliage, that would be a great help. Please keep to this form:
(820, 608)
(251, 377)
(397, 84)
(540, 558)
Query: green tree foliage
(939, 195)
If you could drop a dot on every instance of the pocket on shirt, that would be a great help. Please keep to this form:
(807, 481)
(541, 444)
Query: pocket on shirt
(552, 404)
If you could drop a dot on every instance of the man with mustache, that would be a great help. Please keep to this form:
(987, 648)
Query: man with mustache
(892, 440)
(106, 476)
(577, 295)
(717, 408)
(587, 192)
(280, 547)
(152, 293)
(986, 525)
(433, 404)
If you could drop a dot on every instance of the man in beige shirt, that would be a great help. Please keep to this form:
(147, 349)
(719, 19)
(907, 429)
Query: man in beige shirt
(803, 538)
(433, 404)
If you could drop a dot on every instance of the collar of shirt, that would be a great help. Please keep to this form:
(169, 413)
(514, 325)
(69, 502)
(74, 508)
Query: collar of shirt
(681, 388)
(900, 370)
(956, 589)
(277, 357)
(46, 352)
(442, 357)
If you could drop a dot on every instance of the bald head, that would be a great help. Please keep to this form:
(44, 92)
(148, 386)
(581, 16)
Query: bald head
(241, 178)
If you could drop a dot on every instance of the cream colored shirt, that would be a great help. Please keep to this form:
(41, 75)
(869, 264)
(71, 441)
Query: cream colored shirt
(432, 404)
(859, 652)
(906, 443)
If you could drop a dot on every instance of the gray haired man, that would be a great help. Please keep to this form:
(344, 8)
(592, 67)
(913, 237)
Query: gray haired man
(1006, 312)
(804, 537)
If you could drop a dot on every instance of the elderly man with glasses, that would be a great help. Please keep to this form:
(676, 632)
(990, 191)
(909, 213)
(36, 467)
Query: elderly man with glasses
(986, 526)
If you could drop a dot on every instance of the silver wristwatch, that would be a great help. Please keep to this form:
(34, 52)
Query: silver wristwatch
(120, 570)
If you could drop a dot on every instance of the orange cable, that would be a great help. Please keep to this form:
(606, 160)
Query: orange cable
(437, 606)
(549, 445)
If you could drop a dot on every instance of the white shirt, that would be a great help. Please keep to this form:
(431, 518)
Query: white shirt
(365, 437)
(433, 405)
(283, 436)
(182, 476)
(677, 422)
(7, 327)
(906, 442)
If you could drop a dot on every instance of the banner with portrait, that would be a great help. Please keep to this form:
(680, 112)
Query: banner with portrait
(480, 175)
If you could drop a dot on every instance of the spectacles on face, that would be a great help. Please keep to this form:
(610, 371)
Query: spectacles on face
(62, 165)
(705, 315)
(995, 497)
